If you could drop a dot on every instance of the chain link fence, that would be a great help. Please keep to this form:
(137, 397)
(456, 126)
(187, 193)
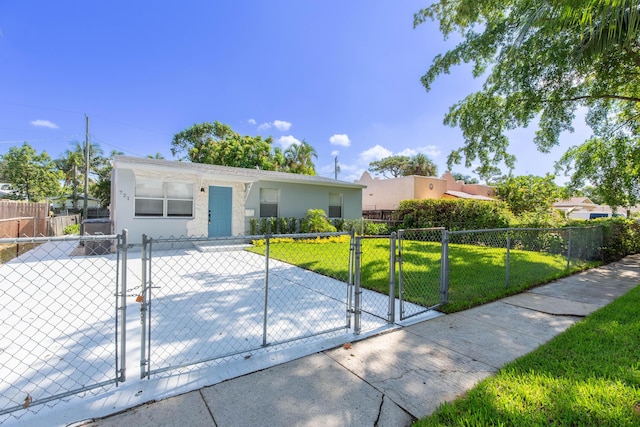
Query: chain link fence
(211, 300)
(208, 300)
(481, 264)
(375, 289)
(419, 270)
(59, 317)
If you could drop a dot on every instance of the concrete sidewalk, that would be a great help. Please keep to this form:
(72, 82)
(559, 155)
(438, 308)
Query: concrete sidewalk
(394, 378)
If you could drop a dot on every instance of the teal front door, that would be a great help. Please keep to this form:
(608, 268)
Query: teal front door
(219, 211)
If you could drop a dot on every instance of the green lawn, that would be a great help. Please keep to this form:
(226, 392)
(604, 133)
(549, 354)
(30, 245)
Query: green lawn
(477, 273)
(587, 376)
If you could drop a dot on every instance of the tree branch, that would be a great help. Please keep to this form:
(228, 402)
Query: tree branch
(580, 98)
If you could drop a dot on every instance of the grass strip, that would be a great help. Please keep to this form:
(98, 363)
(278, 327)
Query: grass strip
(587, 376)
(477, 273)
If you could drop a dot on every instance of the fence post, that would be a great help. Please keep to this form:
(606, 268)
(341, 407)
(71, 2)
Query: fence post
(18, 236)
(358, 291)
(123, 306)
(350, 279)
(266, 291)
(508, 259)
(143, 310)
(392, 279)
(444, 268)
(601, 242)
(569, 249)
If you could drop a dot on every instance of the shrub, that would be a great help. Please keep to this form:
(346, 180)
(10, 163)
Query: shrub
(453, 214)
(293, 225)
(281, 226)
(315, 221)
(253, 226)
(376, 228)
(621, 236)
(339, 224)
(356, 225)
(551, 219)
(71, 229)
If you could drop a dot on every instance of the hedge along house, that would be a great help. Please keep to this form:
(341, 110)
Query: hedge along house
(170, 198)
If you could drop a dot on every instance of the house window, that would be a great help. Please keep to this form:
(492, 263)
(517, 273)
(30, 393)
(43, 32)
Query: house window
(155, 198)
(179, 199)
(268, 202)
(335, 205)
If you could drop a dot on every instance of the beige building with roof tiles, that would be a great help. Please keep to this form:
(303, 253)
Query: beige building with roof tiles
(386, 194)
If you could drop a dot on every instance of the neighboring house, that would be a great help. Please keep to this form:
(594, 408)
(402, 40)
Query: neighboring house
(62, 203)
(6, 191)
(583, 208)
(386, 194)
(168, 198)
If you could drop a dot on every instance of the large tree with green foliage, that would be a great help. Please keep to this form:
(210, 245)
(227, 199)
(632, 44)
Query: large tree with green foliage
(72, 165)
(542, 61)
(421, 165)
(299, 158)
(217, 144)
(529, 194)
(100, 188)
(392, 165)
(404, 166)
(34, 176)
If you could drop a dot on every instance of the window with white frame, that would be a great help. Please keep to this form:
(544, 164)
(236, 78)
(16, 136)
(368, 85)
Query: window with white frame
(155, 198)
(335, 205)
(268, 202)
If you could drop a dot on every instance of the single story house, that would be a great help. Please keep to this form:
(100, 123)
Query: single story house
(583, 208)
(163, 198)
(386, 194)
(66, 202)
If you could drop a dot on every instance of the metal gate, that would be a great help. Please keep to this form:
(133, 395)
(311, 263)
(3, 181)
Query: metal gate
(62, 317)
(220, 299)
(374, 272)
(421, 260)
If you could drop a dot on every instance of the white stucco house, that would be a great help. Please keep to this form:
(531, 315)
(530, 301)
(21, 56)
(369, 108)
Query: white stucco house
(162, 198)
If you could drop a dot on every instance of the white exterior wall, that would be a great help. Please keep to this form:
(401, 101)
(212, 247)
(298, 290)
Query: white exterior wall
(199, 226)
(123, 204)
(297, 194)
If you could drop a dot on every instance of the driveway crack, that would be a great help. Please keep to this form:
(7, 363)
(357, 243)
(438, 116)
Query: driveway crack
(375, 424)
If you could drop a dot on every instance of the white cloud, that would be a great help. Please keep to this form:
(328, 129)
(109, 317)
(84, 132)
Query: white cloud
(340, 139)
(376, 152)
(430, 151)
(281, 125)
(287, 141)
(335, 153)
(252, 121)
(44, 124)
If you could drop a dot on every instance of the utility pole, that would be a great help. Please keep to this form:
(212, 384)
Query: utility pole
(86, 167)
(336, 167)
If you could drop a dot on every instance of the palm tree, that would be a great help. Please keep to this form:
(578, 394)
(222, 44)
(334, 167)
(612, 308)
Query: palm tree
(606, 25)
(421, 165)
(72, 165)
(299, 158)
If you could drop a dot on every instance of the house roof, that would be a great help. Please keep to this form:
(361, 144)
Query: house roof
(463, 195)
(227, 172)
(574, 201)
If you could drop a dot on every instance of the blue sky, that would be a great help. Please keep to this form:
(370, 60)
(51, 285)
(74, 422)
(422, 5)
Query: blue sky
(342, 75)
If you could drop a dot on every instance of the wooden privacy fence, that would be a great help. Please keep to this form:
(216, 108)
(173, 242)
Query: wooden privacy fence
(36, 226)
(17, 209)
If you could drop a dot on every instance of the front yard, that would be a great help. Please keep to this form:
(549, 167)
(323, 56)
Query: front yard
(477, 274)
